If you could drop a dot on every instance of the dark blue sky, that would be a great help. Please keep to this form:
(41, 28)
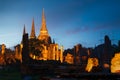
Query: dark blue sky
(69, 22)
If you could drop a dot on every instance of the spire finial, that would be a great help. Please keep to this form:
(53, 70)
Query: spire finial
(43, 11)
(43, 26)
(32, 35)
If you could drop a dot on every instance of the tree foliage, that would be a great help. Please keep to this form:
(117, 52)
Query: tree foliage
(35, 47)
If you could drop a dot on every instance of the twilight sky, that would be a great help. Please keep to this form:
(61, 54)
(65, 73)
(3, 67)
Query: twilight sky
(69, 22)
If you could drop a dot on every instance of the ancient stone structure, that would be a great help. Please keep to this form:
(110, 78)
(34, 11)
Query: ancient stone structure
(91, 63)
(115, 63)
(69, 58)
(3, 49)
(51, 50)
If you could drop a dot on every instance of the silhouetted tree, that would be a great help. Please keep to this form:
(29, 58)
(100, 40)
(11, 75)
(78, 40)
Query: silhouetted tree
(25, 49)
(35, 46)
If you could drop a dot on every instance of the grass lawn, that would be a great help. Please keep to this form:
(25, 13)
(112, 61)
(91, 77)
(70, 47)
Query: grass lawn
(10, 75)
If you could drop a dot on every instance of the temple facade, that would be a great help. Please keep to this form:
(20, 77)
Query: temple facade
(51, 50)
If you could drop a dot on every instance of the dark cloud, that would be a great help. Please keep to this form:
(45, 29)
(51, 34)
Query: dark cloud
(108, 26)
(97, 27)
(77, 30)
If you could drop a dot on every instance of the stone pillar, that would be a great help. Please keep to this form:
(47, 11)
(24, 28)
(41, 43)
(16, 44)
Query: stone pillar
(45, 54)
(21, 46)
(49, 51)
(53, 53)
(57, 56)
(16, 52)
(61, 54)
(77, 53)
(3, 49)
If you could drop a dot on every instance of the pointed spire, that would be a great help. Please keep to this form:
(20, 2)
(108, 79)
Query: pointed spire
(43, 27)
(24, 31)
(43, 31)
(32, 35)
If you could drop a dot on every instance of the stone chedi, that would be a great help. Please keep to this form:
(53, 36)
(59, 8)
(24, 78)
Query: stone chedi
(18, 48)
(32, 35)
(51, 50)
(44, 35)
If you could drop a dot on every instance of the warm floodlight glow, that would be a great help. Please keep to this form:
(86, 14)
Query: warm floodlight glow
(3, 48)
(69, 58)
(115, 63)
(91, 63)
